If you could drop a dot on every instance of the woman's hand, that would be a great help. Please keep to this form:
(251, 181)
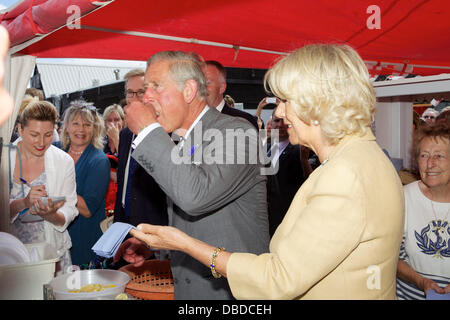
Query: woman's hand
(82, 207)
(160, 237)
(170, 238)
(447, 289)
(428, 284)
(44, 211)
(113, 134)
(34, 195)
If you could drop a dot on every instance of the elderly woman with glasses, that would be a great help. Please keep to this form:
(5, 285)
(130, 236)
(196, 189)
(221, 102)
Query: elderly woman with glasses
(81, 138)
(424, 262)
(341, 235)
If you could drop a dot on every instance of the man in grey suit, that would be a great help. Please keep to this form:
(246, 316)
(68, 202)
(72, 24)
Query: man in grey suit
(218, 192)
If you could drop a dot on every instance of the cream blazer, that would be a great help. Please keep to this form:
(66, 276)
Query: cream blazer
(340, 238)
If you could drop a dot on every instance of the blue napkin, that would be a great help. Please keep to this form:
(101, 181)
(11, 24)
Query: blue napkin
(110, 241)
(433, 295)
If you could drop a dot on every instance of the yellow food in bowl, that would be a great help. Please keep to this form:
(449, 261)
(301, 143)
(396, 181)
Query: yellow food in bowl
(93, 288)
(121, 296)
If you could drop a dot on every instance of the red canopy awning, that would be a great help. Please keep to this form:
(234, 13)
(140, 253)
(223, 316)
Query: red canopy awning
(413, 35)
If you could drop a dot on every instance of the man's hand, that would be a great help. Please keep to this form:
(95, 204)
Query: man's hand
(139, 116)
(133, 251)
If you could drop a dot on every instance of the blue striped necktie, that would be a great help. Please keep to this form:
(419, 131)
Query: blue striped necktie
(131, 167)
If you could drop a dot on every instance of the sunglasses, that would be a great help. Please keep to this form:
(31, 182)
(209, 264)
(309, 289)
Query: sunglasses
(429, 117)
(87, 106)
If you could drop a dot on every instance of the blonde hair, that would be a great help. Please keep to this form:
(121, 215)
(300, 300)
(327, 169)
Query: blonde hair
(110, 109)
(88, 113)
(328, 83)
(229, 100)
(114, 108)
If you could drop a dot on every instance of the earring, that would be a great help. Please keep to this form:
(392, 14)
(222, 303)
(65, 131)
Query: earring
(315, 122)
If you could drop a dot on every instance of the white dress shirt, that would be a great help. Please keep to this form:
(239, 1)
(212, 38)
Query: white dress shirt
(220, 106)
(281, 146)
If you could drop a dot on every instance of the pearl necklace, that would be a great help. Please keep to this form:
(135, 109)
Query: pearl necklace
(75, 152)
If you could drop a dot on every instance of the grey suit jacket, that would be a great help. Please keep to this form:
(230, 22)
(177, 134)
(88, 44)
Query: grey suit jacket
(223, 204)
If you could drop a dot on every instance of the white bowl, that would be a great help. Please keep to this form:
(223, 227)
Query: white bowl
(10, 256)
(12, 250)
(25, 281)
(73, 281)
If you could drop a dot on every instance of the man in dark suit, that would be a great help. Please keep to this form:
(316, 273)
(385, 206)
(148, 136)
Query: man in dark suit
(222, 201)
(293, 169)
(216, 85)
(139, 198)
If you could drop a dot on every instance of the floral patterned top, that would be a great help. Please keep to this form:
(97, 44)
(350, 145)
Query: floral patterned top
(34, 232)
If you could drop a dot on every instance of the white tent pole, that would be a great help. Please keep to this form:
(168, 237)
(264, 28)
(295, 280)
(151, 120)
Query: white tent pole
(181, 39)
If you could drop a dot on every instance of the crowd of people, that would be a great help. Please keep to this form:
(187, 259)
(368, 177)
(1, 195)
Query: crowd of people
(311, 220)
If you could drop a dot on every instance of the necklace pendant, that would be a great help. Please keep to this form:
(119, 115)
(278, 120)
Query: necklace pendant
(324, 162)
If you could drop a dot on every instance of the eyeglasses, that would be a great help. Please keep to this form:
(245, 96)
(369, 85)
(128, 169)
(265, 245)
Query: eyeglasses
(429, 117)
(139, 93)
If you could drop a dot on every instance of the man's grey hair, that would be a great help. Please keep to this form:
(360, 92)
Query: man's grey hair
(183, 67)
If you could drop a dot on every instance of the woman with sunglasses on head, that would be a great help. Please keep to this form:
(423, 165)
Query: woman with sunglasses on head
(38, 170)
(81, 138)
